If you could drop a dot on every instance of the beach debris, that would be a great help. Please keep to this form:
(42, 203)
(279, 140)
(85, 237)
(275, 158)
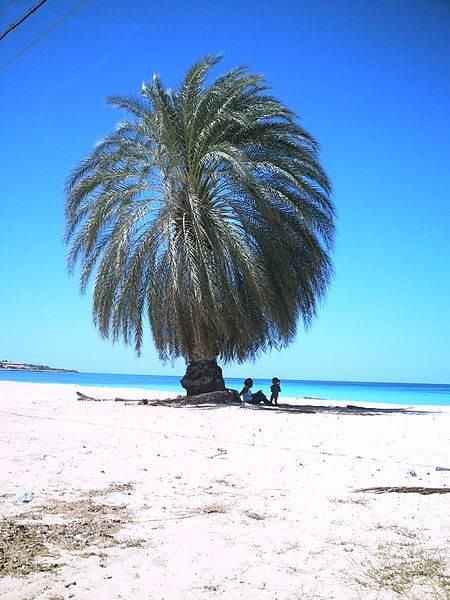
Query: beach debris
(412, 473)
(406, 490)
(91, 399)
(220, 452)
(227, 397)
(23, 497)
(113, 488)
(254, 515)
(69, 583)
(33, 542)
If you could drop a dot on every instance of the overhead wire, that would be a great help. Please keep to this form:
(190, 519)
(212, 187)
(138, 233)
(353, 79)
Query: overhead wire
(47, 31)
(23, 18)
(7, 6)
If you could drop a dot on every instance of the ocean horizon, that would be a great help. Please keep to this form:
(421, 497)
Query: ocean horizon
(354, 391)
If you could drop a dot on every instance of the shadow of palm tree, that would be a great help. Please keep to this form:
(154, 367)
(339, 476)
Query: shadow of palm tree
(348, 409)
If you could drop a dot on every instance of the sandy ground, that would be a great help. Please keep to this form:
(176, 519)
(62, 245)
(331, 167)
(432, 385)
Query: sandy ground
(223, 502)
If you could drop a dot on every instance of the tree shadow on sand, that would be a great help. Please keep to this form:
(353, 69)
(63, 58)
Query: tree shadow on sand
(227, 398)
(349, 409)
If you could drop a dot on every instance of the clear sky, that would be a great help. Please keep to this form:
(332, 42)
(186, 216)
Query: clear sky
(370, 80)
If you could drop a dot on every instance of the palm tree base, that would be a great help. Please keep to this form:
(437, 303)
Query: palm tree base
(203, 376)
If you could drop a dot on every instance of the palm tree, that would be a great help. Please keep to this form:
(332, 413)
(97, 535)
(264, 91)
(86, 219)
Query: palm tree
(208, 213)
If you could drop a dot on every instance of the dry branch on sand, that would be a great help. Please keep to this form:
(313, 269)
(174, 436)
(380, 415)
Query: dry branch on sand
(229, 397)
(406, 490)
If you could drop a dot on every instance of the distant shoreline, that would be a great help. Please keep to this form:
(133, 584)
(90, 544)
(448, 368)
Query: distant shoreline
(49, 370)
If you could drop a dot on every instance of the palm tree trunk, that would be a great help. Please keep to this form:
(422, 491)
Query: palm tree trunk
(203, 376)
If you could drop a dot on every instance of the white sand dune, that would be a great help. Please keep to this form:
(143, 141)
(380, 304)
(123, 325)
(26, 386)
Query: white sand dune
(226, 502)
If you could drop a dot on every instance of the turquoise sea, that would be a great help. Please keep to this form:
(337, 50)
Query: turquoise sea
(353, 391)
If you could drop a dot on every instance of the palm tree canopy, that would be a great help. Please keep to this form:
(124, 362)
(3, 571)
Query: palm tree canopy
(207, 212)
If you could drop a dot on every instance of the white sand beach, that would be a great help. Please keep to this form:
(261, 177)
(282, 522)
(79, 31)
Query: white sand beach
(218, 502)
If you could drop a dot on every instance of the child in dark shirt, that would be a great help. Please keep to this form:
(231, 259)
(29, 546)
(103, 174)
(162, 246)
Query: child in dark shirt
(275, 390)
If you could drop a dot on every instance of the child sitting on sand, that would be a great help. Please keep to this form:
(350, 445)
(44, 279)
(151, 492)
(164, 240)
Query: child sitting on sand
(275, 390)
(250, 398)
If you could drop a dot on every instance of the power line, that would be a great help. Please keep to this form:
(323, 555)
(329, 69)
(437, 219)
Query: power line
(54, 26)
(7, 6)
(22, 19)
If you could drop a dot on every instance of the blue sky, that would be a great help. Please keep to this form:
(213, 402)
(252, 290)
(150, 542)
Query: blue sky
(370, 81)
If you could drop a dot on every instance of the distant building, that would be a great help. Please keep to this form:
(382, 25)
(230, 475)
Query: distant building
(12, 365)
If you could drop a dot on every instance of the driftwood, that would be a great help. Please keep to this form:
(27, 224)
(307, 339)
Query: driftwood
(229, 397)
(85, 398)
(139, 401)
(406, 490)
(91, 399)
